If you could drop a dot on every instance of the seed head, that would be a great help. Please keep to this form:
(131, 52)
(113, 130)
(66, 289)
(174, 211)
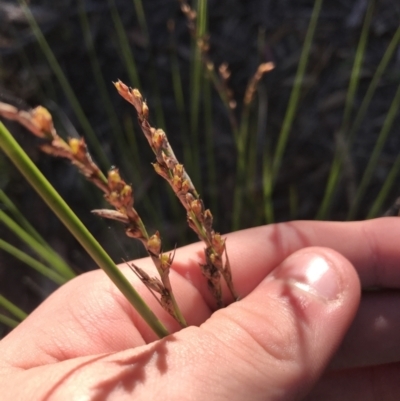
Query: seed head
(197, 208)
(154, 244)
(160, 170)
(78, 148)
(145, 111)
(115, 182)
(158, 139)
(218, 243)
(185, 187)
(208, 220)
(165, 261)
(178, 170)
(126, 196)
(41, 119)
(176, 183)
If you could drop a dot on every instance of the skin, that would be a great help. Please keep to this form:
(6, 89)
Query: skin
(287, 338)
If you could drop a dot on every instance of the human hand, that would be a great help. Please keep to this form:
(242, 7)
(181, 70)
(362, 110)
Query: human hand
(85, 342)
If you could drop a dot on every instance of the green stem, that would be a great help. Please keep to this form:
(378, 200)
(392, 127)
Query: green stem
(177, 311)
(13, 309)
(20, 218)
(76, 227)
(49, 256)
(68, 91)
(295, 94)
(35, 264)
(337, 163)
(8, 321)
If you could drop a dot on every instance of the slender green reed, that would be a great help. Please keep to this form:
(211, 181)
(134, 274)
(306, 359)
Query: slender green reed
(241, 167)
(68, 91)
(197, 77)
(337, 164)
(267, 187)
(13, 309)
(374, 157)
(141, 19)
(390, 180)
(21, 220)
(179, 96)
(76, 227)
(125, 46)
(270, 171)
(129, 58)
(295, 94)
(380, 70)
(42, 251)
(210, 149)
(8, 321)
(101, 84)
(33, 263)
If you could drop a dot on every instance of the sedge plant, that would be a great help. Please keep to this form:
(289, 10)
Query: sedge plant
(120, 195)
(261, 159)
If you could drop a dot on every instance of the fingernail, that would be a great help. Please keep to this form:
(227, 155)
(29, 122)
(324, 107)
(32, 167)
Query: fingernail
(313, 273)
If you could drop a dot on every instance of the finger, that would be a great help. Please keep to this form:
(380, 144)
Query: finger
(273, 344)
(373, 338)
(368, 384)
(371, 247)
(89, 315)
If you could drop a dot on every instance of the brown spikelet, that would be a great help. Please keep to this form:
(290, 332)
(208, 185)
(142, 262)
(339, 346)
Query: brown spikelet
(199, 219)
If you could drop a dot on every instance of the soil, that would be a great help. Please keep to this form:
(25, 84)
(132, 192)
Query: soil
(242, 34)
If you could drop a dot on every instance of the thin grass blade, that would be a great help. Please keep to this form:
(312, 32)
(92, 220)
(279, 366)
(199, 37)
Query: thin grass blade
(374, 158)
(337, 164)
(21, 220)
(13, 309)
(68, 91)
(33, 263)
(295, 94)
(8, 321)
(76, 227)
(42, 251)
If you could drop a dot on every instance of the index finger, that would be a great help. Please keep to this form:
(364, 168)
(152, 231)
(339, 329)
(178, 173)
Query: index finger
(372, 246)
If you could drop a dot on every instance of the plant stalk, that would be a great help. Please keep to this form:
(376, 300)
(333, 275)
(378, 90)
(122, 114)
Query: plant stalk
(36, 179)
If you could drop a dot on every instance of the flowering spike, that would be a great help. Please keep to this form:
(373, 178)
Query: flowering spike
(178, 170)
(185, 187)
(114, 179)
(170, 162)
(197, 208)
(173, 172)
(165, 261)
(78, 148)
(126, 196)
(176, 183)
(41, 118)
(158, 139)
(160, 170)
(145, 110)
(154, 243)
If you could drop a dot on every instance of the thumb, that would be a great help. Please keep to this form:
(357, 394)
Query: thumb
(271, 345)
(275, 343)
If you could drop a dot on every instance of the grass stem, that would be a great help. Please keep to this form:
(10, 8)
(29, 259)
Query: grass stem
(76, 227)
